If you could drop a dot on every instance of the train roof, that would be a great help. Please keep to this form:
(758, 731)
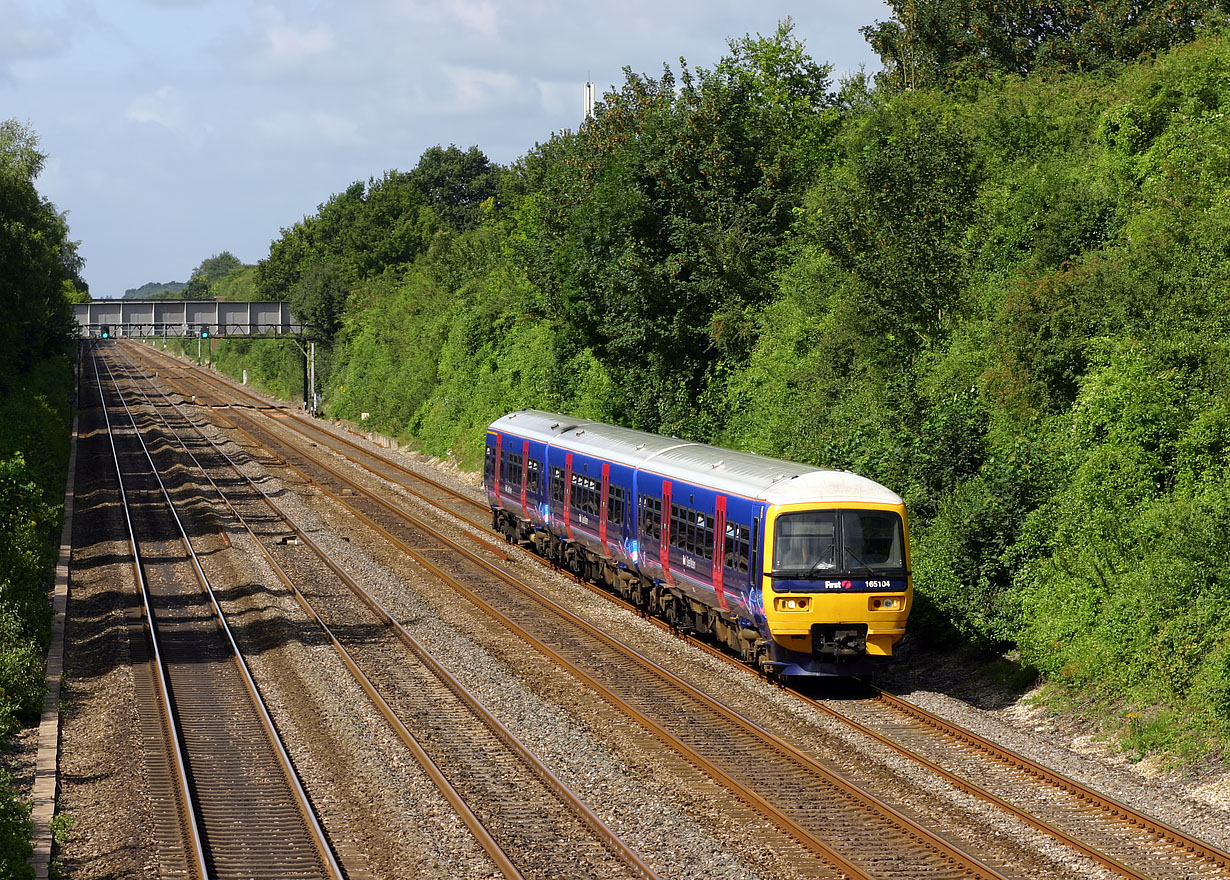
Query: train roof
(741, 473)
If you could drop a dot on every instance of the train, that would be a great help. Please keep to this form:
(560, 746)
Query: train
(800, 571)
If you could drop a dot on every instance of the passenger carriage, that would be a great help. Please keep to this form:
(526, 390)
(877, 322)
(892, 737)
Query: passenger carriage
(801, 570)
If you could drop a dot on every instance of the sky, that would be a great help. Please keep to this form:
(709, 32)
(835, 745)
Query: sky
(179, 129)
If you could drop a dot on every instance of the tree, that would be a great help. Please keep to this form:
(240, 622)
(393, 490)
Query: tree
(656, 230)
(455, 183)
(318, 299)
(39, 266)
(218, 266)
(197, 288)
(936, 43)
(359, 232)
(895, 213)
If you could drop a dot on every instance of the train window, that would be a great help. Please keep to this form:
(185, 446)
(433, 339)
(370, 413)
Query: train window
(585, 491)
(650, 517)
(756, 547)
(557, 485)
(735, 555)
(691, 531)
(533, 477)
(827, 542)
(489, 467)
(617, 498)
(806, 541)
(510, 476)
(871, 540)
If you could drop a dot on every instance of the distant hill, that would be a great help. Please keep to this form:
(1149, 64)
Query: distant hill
(156, 290)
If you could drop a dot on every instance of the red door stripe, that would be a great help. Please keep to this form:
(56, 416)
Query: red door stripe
(499, 466)
(664, 549)
(525, 472)
(602, 512)
(719, 551)
(568, 495)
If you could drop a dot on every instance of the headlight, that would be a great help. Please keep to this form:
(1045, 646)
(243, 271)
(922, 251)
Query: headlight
(792, 603)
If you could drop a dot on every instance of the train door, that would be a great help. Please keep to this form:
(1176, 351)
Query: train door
(525, 474)
(718, 551)
(499, 465)
(664, 546)
(568, 494)
(604, 506)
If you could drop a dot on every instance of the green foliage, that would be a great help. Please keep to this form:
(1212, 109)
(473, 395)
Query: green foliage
(15, 831)
(38, 263)
(1006, 301)
(157, 290)
(895, 215)
(217, 267)
(357, 234)
(237, 285)
(197, 288)
(39, 279)
(317, 299)
(653, 236)
(34, 424)
(456, 184)
(939, 43)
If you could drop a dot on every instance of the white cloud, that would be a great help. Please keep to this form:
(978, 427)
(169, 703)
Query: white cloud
(168, 108)
(477, 17)
(315, 127)
(278, 45)
(164, 106)
(473, 90)
(27, 34)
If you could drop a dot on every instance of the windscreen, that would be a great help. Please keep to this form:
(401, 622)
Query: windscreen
(830, 542)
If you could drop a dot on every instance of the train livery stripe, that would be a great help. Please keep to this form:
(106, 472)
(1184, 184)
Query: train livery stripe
(568, 495)
(719, 547)
(525, 471)
(664, 550)
(605, 507)
(499, 464)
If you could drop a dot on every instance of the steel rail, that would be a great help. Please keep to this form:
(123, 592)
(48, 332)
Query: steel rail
(601, 830)
(319, 839)
(970, 864)
(306, 426)
(1113, 808)
(191, 823)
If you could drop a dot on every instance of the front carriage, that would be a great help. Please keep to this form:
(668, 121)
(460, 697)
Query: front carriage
(681, 529)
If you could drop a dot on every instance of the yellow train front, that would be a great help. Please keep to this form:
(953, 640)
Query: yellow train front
(836, 583)
(800, 570)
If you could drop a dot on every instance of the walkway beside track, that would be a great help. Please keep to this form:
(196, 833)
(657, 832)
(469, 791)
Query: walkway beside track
(46, 764)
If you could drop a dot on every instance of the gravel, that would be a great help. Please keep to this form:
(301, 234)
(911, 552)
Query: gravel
(374, 799)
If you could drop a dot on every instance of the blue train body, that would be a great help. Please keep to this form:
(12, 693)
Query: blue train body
(704, 538)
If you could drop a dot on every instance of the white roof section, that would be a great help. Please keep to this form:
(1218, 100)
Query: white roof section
(739, 473)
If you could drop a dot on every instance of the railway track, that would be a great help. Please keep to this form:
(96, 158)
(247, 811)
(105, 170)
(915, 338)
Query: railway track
(227, 796)
(529, 822)
(842, 825)
(1113, 836)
